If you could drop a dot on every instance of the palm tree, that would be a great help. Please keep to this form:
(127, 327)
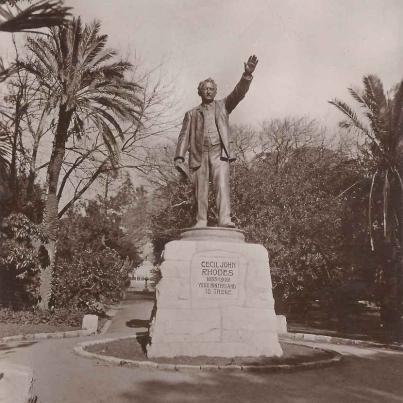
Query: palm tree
(87, 87)
(382, 129)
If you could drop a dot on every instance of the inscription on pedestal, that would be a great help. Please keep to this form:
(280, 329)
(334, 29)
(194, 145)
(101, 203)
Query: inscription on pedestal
(215, 276)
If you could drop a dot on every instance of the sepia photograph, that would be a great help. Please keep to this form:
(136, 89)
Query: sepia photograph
(201, 201)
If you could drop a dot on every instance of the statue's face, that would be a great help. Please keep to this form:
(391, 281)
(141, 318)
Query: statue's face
(208, 92)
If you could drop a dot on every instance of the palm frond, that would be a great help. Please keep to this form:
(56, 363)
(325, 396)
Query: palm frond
(44, 13)
(96, 47)
(378, 125)
(119, 108)
(62, 37)
(352, 116)
(102, 57)
(354, 123)
(109, 141)
(114, 71)
(110, 119)
(44, 63)
(375, 101)
(374, 90)
(89, 35)
(76, 32)
(357, 96)
(5, 153)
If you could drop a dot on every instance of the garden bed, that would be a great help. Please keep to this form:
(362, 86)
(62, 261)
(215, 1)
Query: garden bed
(14, 329)
(13, 322)
(134, 349)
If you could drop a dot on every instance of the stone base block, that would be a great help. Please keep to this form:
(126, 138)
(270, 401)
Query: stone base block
(214, 299)
(90, 322)
(282, 324)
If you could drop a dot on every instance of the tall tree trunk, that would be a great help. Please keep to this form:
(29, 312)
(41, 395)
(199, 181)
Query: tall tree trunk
(106, 194)
(13, 181)
(390, 290)
(51, 220)
(32, 169)
(392, 301)
(399, 210)
(37, 135)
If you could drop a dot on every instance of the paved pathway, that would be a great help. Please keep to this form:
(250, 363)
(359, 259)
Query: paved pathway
(132, 312)
(366, 375)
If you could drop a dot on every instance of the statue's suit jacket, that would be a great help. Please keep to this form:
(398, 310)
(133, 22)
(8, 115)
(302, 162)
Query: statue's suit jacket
(192, 132)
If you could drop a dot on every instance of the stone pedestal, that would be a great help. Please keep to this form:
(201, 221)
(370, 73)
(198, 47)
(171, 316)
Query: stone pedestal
(214, 298)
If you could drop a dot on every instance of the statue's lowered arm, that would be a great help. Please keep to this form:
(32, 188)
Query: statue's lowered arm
(182, 147)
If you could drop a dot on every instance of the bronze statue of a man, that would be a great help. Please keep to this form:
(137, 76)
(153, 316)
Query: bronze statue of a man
(205, 135)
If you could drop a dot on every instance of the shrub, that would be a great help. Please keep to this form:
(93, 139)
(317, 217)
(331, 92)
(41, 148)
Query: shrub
(90, 280)
(20, 261)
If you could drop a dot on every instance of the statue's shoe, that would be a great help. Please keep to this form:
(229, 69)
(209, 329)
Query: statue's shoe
(200, 224)
(227, 224)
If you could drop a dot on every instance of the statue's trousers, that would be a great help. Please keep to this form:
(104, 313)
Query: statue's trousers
(218, 169)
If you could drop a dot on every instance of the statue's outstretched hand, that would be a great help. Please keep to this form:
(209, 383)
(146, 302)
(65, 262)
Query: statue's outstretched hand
(182, 168)
(178, 163)
(250, 65)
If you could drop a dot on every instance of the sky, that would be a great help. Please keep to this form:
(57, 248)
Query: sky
(310, 51)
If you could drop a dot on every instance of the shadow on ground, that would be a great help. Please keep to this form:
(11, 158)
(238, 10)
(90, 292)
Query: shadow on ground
(135, 295)
(14, 345)
(138, 323)
(375, 379)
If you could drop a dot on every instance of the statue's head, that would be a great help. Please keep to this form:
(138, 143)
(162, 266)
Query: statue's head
(207, 89)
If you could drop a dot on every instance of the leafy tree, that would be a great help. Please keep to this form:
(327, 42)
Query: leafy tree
(298, 215)
(171, 205)
(95, 254)
(174, 211)
(381, 127)
(97, 224)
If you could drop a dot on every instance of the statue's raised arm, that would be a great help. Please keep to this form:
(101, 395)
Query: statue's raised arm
(239, 92)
